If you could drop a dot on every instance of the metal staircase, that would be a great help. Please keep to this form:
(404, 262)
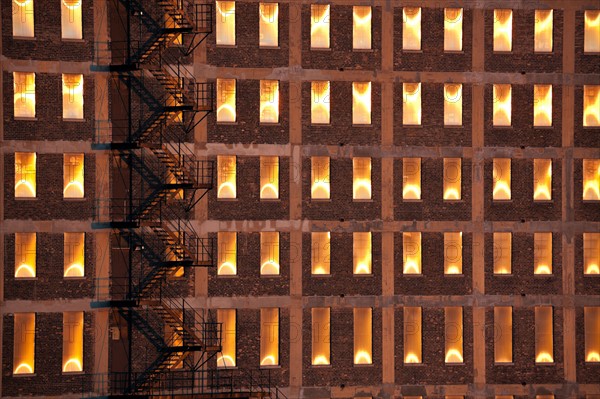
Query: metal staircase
(155, 183)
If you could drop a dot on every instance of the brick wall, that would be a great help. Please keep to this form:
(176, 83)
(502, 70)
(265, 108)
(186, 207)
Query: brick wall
(48, 123)
(49, 282)
(48, 379)
(47, 43)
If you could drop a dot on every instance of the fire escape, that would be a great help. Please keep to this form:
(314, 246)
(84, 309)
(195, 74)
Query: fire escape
(155, 183)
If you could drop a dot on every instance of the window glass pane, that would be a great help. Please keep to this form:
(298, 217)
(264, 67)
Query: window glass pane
(592, 334)
(543, 31)
(363, 336)
(227, 243)
(72, 342)
(503, 30)
(25, 174)
(502, 105)
(24, 343)
(226, 105)
(411, 249)
(320, 187)
(542, 105)
(362, 178)
(225, 23)
(227, 356)
(24, 87)
(453, 253)
(269, 177)
(72, 96)
(591, 34)
(320, 104)
(320, 252)
(361, 103)
(591, 253)
(25, 255)
(453, 317)
(320, 336)
(22, 18)
(411, 28)
(452, 104)
(591, 105)
(502, 253)
(269, 253)
(73, 184)
(503, 334)
(501, 179)
(269, 101)
(361, 27)
(74, 254)
(544, 352)
(269, 336)
(542, 179)
(411, 108)
(591, 179)
(412, 335)
(71, 25)
(452, 179)
(268, 24)
(226, 165)
(453, 29)
(362, 247)
(411, 178)
(542, 253)
(319, 26)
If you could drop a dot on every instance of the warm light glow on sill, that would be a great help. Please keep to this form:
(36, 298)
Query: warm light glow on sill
(320, 190)
(25, 271)
(72, 366)
(362, 189)
(227, 269)
(453, 270)
(544, 357)
(73, 189)
(319, 270)
(363, 357)
(454, 356)
(592, 268)
(24, 189)
(225, 361)
(320, 360)
(592, 357)
(411, 191)
(23, 368)
(269, 268)
(227, 190)
(363, 267)
(411, 267)
(268, 361)
(542, 193)
(269, 191)
(501, 191)
(543, 269)
(412, 358)
(226, 113)
(74, 270)
(451, 194)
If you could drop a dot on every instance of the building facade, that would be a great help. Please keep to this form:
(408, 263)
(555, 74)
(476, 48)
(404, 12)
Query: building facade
(405, 199)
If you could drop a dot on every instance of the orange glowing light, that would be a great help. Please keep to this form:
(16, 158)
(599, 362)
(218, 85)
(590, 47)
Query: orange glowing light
(269, 24)
(591, 33)
(319, 26)
(591, 106)
(591, 180)
(592, 357)
(72, 365)
(269, 101)
(225, 23)
(320, 360)
(502, 94)
(411, 28)
(542, 105)
(503, 30)
(361, 27)
(23, 368)
(225, 361)
(454, 356)
(412, 358)
(361, 103)
(544, 357)
(543, 30)
(362, 357)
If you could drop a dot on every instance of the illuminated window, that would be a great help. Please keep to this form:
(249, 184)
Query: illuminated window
(73, 176)
(320, 104)
(361, 103)
(227, 258)
(72, 342)
(591, 316)
(268, 24)
(362, 250)
(320, 252)
(503, 334)
(24, 86)
(452, 104)
(591, 179)
(453, 29)
(501, 179)
(543, 31)
(269, 101)
(591, 253)
(411, 28)
(319, 26)
(25, 255)
(411, 250)
(412, 335)
(411, 109)
(361, 178)
(25, 174)
(363, 336)
(542, 179)
(453, 317)
(269, 177)
(24, 344)
(502, 105)
(503, 30)
(22, 18)
(226, 165)
(452, 253)
(502, 253)
(411, 178)
(74, 254)
(225, 23)
(591, 106)
(591, 34)
(320, 186)
(321, 327)
(542, 253)
(269, 253)
(452, 179)
(72, 96)
(544, 352)
(269, 336)
(361, 27)
(71, 19)
(542, 105)
(226, 107)
(227, 356)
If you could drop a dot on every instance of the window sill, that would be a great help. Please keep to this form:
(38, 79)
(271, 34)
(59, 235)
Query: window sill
(24, 38)
(226, 46)
(454, 52)
(227, 199)
(592, 127)
(502, 52)
(272, 200)
(321, 124)
(75, 199)
(271, 276)
(543, 201)
(21, 375)
(363, 275)
(326, 49)
(508, 201)
(321, 366)
(26, 198)
(454, 275)
(543, 275)
(420, 51)
(269, 47)
(503, 364)
(25, 118)
(543, 52)
(269, 124)
(545, 364)
(276, 366)
(227, 276)
(74, 120)
(454, 126)
(363, 50)
(458, 201)
(507, 127)
(412, 126)
(543, 127)
(413, 364)
(67, 40)
(224, 123)
(73, 277)
(591, 53)
(455, 364)
(412, 200)
(591, 275)
(323, 200)
(590, 201)
(502, 275)
(412, 275)
(363, 365)
(362, 200)
(66, 373)
(324, 275)
(363, 125)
